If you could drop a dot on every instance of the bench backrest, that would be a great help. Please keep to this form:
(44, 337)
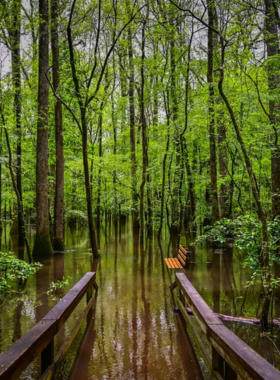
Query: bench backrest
(182, 255)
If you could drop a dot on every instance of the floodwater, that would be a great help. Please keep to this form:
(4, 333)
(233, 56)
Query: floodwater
(135, 334)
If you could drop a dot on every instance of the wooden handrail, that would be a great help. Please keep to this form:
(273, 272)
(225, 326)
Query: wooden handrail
(231, 356)
(40, 339)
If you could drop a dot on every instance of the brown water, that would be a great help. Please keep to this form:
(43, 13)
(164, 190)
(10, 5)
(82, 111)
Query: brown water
(136, 334)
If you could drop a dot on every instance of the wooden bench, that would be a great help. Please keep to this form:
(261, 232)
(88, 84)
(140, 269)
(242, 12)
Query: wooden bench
(180, 262)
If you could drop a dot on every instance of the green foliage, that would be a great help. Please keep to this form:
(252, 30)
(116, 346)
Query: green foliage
(58, 285)
(76, 215)
(247, 234)
(14, 271)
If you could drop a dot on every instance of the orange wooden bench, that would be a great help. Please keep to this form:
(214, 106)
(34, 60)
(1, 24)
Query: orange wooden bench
(180, 262)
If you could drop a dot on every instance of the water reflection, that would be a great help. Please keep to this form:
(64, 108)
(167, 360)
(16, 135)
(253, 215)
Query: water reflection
(135, 334)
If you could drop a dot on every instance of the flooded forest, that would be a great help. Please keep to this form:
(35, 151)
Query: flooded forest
(132, 131)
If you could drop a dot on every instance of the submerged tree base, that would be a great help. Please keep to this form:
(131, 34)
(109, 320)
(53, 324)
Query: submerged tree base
(42, 246)
(58, 245)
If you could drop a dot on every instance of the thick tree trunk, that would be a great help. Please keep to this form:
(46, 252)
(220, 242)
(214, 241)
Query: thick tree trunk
(272, 44)
(42, 245)
(58, 243)
(135, 221)
(211, 111)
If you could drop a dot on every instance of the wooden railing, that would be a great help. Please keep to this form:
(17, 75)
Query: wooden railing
(40, 339)
(228, 357)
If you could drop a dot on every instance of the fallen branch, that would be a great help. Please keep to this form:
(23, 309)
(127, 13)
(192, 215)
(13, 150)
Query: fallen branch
(250, 321)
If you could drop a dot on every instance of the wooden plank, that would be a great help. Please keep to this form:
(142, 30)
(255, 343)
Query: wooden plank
(199, 307)
(179, 265)
(182, 262)
(183, 250)
(171, 263)
(66, 345)
(175, 263)
(64, 308)
(183, 257)
(17, 357)
(246, 362)
(168, 263)
(242, 359)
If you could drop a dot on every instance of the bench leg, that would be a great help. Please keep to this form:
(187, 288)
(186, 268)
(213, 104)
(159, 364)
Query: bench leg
(173, 286)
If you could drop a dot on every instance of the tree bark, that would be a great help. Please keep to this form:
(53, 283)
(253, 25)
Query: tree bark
(272, 45)
(131, 85)
(100, 121)
(58, 243)
(42, 245)
(144, 139)
(175, 199)
(16, 77)
(164, 167)
(211, 112)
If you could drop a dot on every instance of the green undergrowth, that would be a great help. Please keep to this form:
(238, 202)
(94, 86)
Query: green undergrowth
(14, 271)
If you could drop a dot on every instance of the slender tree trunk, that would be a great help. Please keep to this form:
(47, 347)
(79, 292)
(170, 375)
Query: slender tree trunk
(175, 198)
(42, 245)
(144, 139)
(98, 219)
(135, 221)
(58, 243)
(92, 235)
(14, 184)
(115, 152)
(225, 190)
(272, 45)
(14, 33)
(184, 148)
(164, 167)
(212, 135)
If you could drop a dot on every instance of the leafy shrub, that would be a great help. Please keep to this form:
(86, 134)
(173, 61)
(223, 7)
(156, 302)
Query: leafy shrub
(247, 233)
(14, 270)
(76, 215)
(58, 285)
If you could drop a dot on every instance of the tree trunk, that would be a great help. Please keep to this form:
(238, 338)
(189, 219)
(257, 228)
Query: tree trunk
(164, 167)
(98, 219)
(144, 139)
(211, 111)
(225, 191)
(58, 243)
(135, 221)
(14, 184)
(42, 245)
(15, 49)
(175, 198)
(272, 45)
(87, 185)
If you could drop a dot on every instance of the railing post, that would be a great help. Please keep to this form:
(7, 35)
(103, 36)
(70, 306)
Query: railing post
(218, 363)
(89, 297)
(230, 374)
(47, 356)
